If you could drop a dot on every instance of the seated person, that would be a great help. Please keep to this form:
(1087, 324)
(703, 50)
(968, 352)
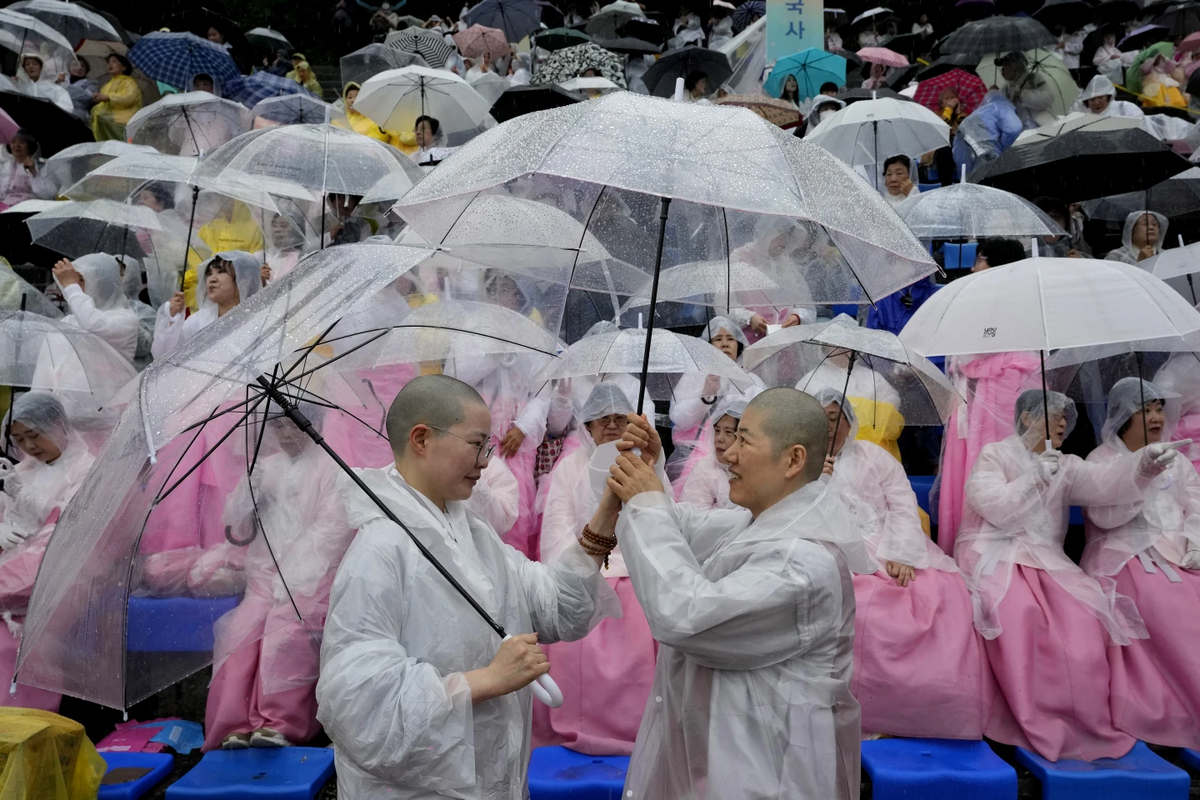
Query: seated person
(707, 485)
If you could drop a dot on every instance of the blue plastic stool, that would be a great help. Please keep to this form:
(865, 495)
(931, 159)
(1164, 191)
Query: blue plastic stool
(937, 769)
(279, 773)
(928, 187)
(556, 773)
(174, 624)
(921, 485)
(159, 765)
(1191, 758)
(849, 309)
(1076, 516)
(1140, 774)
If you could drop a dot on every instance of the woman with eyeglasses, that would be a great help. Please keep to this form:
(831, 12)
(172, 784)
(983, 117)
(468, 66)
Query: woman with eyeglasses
(605, 677)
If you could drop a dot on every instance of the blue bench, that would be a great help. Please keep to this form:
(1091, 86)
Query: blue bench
(158, 766)
(1191, 758)
(556, 773)
(921, 485)
(278, 773)
(937, 769)
(959, 256)
(1140, 774)
(174, 624)
(928, 187)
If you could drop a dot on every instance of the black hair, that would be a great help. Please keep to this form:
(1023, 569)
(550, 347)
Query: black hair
(86, 66)
(126, 64)
(693, 78)
(25, 136)
(828, 86)
(1121, 430)
(1052, 205)
(900, 159)
(204, 75)
(999, 252)
(162, 193)
(434, 125)
(218, 264)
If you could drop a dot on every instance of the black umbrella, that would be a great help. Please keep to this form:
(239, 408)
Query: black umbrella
(628, 46)
(1083, 165)
(1068, 14)
(16, 243)
(198, 19)
(943, 64)
(660, 78)
(527, 99)
(647, 30)
(1172, 198)
(54, 128)
(1117, 11)
(747, 13)
(1180, 20)
(998, 35)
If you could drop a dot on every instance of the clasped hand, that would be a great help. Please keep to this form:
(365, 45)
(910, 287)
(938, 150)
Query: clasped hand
(633, 472)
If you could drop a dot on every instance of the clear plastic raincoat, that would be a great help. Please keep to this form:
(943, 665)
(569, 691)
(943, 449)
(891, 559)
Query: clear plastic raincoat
(100, 306)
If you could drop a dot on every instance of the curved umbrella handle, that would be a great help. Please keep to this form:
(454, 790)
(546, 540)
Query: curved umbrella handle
(544, 688)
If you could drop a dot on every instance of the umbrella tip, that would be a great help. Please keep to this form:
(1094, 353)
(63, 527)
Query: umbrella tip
(963, 175)
(678, 91)
(1034, 247)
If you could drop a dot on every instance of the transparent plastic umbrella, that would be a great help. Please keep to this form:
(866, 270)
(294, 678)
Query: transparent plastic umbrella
(1075, 122)
(68, 166)
(394, 99)
(72, 20)
(586, 85)
(97, 226)
(43, 354)
(296, 109)
(1045, 72)
(188, 124)
(373, 59)
(972, 211)
(22, 33)
(18, 294)
(490, 86)
(608, 21)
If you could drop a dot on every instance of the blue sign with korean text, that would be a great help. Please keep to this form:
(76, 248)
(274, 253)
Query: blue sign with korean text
(793, 25)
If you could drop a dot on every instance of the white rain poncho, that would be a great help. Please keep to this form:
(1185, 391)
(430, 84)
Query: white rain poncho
(100, 306)
(707, 485)
(399, 638)
(880, 499)
(1014, 515)
(1180, 376)
(35, 493)
(566, 407)
(131, 287)
(576, 483)
(755, 618)
(690, 409)
(1127, 252)
(44, 88)
(1099, 86)
(1158, 529)
(172, 331)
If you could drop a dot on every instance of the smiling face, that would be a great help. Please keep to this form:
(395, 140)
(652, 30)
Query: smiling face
(758, 475)
(1145, 426)
(35, 443)
(839, 426)
(20, 149)
(724, 432)
(726, 343)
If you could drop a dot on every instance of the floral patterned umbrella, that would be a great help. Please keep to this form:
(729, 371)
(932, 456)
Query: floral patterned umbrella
(571, 62)
(970, 90)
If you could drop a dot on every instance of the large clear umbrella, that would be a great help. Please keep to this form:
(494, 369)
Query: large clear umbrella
(609, 20)
(23, 33)
(295, 109)
(98, 226)
(394, 99)
(373, 59)
(72, 20)
(66, 167)
(188, 124)
(971, 211)
(48, 355)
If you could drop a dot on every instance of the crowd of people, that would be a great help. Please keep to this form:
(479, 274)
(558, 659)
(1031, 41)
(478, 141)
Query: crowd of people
(732, 580)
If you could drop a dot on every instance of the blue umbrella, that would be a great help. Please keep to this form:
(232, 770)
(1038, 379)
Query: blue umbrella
(252, 90)
(747, 12)
(812, 67)
(517, 18)
(176, 58)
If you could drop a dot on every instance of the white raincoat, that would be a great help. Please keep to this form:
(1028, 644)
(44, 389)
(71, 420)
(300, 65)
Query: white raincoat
(100, 306)
(689, 409)
(1127, 253)
(755, 618)
(172, 331)
(398, 639)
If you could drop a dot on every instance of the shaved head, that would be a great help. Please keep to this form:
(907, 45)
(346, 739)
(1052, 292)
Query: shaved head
(789, 417)
(438, 401)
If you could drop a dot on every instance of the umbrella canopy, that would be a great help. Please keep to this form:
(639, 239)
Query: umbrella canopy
(188, 124)
(70, 165)
(871, 15)
(1189, 44)
(1176, 266)
(1065, 13)
(8, 127)
(882, 55)
(748, 12)
(629, 46)
(587, 85)
(54, 128)
(527, 99)
(490, 86)
(1036, 305)
(971, 211)
(783, 359)
(646, 29)
(1176, 196)
(558, 38)
(660, 78)
(998, 35)
(1180, 21)
(99, 226)
(394, 99)
(16, 294)
(1133, 73)
(295, 109)
(119, 178)
(427, 44)
(1082, 165)
(517, 18)
(609, 21)
(811, 68)
(947, 62)
(44, 354)
(572, 62)
(21, 33)
(373, 59)
(1078, 122)
(1046, 73)
(1118, 11)
(260, 86)
(477, 40)
(849, 96)
(776, 112)
(176, 58)
(970, 90)
(868, 132)
(268, 39)
(73, 21)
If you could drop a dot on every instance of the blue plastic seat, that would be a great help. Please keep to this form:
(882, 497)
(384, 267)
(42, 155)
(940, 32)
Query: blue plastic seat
(174, 624)
(158, 764)
(921, 485)
(1140, 774)
(556, 773)
(1191, 758)
(928, 187)
(278, 773)
(1076, 517)
(937, 769)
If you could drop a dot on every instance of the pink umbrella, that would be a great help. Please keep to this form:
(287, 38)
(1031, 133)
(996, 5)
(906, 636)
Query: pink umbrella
(881, 55)
(477, 40)
(8, 127)
(1189, 43)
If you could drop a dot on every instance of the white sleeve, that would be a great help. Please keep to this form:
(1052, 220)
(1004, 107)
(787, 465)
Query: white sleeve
(560, 517)
(689, 410)
(42, 184)
(1003, 503)
(532, 418)
(168, 331)
(903, 539)
(807, 314)
(497, 497)
(566, 598)
(108, 325)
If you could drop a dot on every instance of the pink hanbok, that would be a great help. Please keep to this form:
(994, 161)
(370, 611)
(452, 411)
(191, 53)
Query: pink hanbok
(1155, 684)
(1047, 623)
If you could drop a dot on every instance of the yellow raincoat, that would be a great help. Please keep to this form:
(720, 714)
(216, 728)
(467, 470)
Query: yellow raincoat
(124, 100)
(237, 231)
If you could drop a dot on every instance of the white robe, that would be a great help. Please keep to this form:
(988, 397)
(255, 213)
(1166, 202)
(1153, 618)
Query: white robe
(755, 619)
(117, 326)
(170, 332)
(398, 640)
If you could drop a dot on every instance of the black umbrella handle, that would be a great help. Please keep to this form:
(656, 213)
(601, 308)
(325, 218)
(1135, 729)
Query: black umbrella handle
(662, 233)
(303, 423)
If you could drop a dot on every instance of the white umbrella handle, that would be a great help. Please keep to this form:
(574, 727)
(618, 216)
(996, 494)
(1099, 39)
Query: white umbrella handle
(545, 689)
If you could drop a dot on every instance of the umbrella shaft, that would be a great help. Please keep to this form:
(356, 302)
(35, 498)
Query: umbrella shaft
(662, 233)
(302, 422)
(1045, 397)
(842, 405)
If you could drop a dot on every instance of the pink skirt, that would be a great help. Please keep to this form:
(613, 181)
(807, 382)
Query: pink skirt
(1051, 670)
(1156, 681)
(605, 679)
(26, 696)
(919, 665)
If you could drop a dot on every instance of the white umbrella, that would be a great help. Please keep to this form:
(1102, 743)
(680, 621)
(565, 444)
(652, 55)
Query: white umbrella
(972, 211)
(604, 24)
(869, 13)
(22, 33)
(865, 133)
(72, 20)
(1176, 267)
(490, 86)
(188, 124)
(69, 165)
(394, 99)
(1075, 122)
(583, 85)
(268, 37)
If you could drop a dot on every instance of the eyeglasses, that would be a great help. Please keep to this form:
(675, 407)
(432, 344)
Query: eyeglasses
(481, 456)
(612, 421)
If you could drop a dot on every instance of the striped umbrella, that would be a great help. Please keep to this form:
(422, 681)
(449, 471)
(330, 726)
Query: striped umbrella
(747, 12)
(426, 43)
(74, 22)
